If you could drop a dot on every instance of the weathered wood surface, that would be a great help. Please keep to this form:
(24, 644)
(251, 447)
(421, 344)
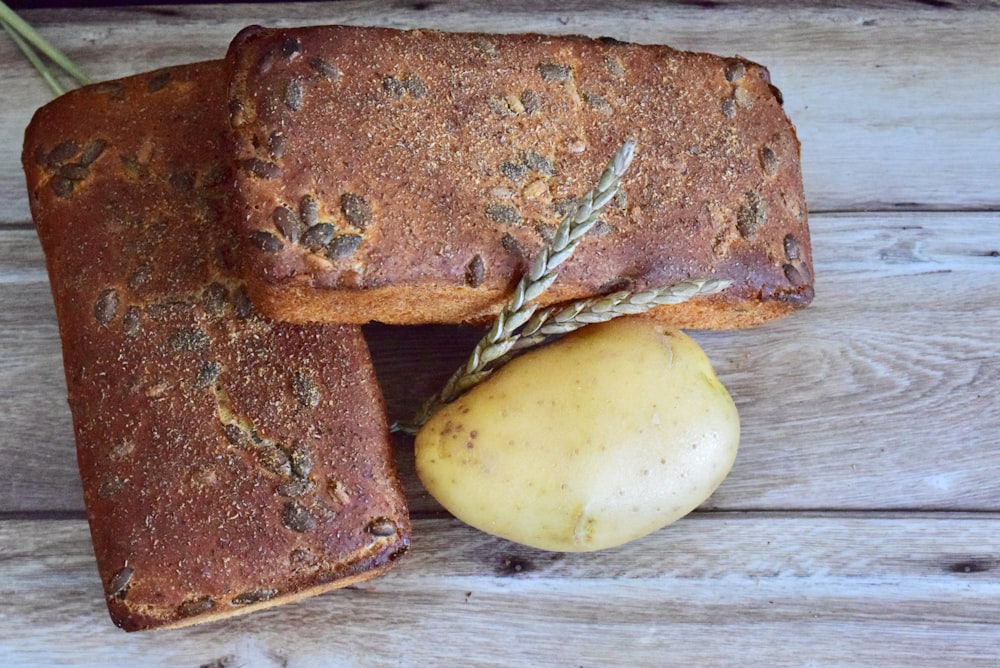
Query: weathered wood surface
(860, 525)
(882, 395)
(893, 105)
(757, 590)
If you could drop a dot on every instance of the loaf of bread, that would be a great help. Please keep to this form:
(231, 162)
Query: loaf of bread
(409, 176)
(229, 463)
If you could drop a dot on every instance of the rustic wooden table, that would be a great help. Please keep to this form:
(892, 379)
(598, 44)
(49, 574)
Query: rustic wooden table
(861, 524)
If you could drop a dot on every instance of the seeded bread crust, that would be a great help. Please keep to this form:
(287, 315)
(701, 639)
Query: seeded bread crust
(409, 176)
(229, 463)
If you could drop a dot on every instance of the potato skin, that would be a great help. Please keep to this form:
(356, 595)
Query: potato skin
(604, 436)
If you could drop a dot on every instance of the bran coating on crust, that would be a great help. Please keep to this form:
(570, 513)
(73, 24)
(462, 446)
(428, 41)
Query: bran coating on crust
(229, 462)
(410, 176)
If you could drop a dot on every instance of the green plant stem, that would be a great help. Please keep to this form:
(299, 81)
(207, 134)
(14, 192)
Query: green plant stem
(25, 31)
(34, 60)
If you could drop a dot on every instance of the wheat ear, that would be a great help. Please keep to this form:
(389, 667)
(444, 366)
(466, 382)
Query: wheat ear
(502, 336)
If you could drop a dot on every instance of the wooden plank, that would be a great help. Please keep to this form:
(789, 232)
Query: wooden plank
(890, 104)
(712, 590)
(37, 425)
(880, 395)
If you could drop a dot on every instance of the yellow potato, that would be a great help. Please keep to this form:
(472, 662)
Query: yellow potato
(597, 439)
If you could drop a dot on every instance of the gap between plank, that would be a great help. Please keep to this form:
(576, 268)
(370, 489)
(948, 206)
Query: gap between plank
(702, 515)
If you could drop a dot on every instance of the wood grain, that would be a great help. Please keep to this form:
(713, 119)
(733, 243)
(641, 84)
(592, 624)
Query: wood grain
(890, 105)
(719, 589)
(879, 396)
(860, 524)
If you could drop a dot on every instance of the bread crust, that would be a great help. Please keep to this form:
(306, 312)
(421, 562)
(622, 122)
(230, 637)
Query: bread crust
(229, 463)
(409, 176)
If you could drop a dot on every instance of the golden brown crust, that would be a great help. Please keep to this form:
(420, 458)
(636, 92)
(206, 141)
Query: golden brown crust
(229, 463)
(408, 176)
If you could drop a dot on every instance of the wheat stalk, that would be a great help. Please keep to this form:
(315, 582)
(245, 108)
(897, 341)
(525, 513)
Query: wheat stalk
(33, 58)
(565, 318)
(542, 272)
(27, 39)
